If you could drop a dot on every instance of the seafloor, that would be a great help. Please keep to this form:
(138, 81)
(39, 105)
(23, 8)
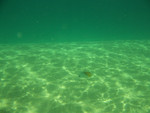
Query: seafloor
(51, 77)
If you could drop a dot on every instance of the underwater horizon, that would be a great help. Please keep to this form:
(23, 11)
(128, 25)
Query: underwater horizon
(77, 56)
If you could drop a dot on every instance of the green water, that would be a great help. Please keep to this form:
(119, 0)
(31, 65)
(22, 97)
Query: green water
(76, 20)
(77, 56)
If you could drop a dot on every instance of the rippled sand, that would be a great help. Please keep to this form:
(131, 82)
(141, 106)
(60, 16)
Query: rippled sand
(45, 78)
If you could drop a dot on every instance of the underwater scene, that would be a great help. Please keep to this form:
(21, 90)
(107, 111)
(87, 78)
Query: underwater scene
(92, 77)
(74, 56)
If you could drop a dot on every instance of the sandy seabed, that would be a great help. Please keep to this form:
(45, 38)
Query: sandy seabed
(50, 77)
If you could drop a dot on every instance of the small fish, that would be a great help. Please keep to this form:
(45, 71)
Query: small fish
(85, 74)
(89, 74)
